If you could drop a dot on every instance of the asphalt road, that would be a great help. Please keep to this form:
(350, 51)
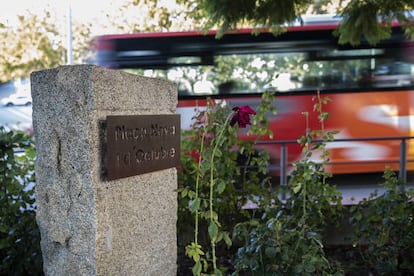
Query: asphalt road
(14, 117)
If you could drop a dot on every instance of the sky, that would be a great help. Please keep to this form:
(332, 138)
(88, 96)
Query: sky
(81, 9)
(88, 12)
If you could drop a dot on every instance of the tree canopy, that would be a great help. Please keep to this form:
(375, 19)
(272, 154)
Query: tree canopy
(368, 20)
(37, 42)
(33, 45)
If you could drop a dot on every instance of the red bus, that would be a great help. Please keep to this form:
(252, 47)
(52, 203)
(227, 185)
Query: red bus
(371, 87)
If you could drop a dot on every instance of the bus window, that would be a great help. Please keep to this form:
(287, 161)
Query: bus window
(286, 72)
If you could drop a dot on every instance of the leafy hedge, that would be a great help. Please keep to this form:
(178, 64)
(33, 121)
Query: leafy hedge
(383, 229)
(20, 252)
(282, 236)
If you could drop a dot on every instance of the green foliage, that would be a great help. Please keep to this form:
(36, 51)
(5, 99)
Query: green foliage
(216, 180)
(360, 18)
(33, 44)
(286, 239)
(360, 21)
(155, 16)
(269, 14)
(383, 229)
(20, 239)
(284, 235)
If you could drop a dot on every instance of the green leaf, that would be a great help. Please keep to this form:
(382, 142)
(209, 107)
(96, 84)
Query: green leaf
(221, 187)
(297, 188)
(184, 192)
(358, 216)
(205, 264)
(194, 251)
(218, 152)
(195, 205)
(191, 194)
(298, 269)
(270, 252)
(211, 215)
(227, 239)
(217, 272)
(212, 230)
(309, 267)
(197, 268)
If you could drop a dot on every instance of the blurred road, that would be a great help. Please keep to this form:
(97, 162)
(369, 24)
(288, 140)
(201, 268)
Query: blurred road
(14, 117)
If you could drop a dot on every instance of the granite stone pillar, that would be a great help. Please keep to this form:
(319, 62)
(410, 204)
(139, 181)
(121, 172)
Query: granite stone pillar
(89, 225)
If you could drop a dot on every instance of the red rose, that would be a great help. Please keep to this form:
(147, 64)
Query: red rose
(241, 116)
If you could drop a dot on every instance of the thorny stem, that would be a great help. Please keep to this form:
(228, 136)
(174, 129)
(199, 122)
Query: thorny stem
(198, 179)
(318, 107)
(307, 130)
(305, 182)
(196, 190)
(217, 143)
(319, 110)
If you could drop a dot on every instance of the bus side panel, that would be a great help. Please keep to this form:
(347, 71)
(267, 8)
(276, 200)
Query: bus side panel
(354, 115)
(370, 114)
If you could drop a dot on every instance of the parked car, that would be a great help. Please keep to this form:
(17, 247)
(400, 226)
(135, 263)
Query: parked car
(17, 99)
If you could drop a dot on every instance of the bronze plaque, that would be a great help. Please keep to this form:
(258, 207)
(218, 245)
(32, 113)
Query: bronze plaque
(141, 144)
